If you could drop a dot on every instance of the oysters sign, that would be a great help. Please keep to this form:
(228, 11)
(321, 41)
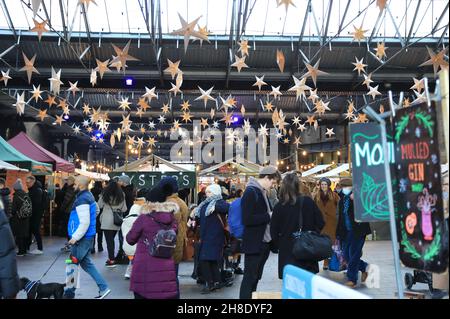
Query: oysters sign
(369, 178)
(149, 179)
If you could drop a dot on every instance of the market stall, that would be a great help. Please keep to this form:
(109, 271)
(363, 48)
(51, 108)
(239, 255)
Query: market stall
(92, 175)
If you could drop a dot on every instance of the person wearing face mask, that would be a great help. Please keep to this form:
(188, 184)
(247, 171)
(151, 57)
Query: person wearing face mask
(352, 235)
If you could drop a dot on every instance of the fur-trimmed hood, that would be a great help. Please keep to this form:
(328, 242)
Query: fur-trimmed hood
(166, 207)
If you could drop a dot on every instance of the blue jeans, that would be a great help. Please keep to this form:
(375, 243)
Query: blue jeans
(352, 253)
(81, 250)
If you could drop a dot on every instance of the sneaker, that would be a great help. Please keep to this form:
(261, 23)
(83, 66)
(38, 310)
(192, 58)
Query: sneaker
(100, 249)
(128, 272)
(350, 284)
(36, 252)
(238, 271)
(103, 294)
(20, 254)
(110, 263)
(65, 249)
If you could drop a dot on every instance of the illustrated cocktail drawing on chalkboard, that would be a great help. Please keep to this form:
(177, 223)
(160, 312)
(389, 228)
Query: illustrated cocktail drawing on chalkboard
(420, 217)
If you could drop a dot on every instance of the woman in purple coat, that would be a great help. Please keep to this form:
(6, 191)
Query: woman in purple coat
(152, 277)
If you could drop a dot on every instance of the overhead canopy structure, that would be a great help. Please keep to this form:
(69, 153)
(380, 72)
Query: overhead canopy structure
(315, 169)
(336, 172)
(30, 148)
(152, 163)
(9, 154)
(10, 167)
(239, 164)
(92, 175)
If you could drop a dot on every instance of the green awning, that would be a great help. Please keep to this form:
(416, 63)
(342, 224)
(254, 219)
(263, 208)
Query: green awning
(11, 155)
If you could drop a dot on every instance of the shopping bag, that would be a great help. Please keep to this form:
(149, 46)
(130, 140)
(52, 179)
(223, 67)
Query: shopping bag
(337, 262)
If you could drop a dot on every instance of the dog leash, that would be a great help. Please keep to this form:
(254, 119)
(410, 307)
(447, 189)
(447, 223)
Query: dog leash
(59, 255)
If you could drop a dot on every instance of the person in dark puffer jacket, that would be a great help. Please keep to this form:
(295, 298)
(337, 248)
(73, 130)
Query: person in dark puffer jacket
(66, 206)
(5, 197)
(9, 280)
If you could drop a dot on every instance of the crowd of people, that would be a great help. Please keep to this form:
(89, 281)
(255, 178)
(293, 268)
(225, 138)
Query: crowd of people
(149, 223)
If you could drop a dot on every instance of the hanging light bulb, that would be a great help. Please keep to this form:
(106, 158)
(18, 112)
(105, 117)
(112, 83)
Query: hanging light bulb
(338, 153)
(304, 153)
(321, 154)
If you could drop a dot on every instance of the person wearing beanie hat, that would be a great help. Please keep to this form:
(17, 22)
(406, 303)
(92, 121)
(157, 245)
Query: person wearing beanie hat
(169, 185)
(66, 207)
(5, 197)
(127, 224)
(129, 190)
(256, 215)
(352, 235)
(327, 201)
(20, 223)
(212, 215)
(153, 277)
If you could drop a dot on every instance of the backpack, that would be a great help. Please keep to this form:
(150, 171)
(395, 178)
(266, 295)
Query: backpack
(25, 210)
(164, 242)
(235, 219)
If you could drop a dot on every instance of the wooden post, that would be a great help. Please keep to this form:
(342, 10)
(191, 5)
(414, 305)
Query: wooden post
(443, 81)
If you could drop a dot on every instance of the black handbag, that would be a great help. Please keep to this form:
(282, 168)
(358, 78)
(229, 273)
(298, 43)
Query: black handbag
(118, 217)
(310, 245)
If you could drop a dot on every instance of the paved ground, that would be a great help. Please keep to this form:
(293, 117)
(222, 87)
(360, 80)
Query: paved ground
(377, 252)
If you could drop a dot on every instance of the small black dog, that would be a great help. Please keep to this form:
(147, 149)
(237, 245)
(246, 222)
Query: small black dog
(41, 291)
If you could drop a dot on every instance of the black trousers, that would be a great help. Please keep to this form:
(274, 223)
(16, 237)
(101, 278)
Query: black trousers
(253, 270)
(99, 234)
(120, 243)
(35, 230)
(210, 271)
(110, 244)
(22, 245)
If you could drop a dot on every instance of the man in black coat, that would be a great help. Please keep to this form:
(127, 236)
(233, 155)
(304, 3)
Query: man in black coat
(130, 195)
(352, 235)
(66, 207)
(37, 202)
(256, 213)
(4, 197)
(9, 280)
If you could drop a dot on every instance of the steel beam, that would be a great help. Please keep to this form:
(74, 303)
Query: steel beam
(396, 27)
(328, 22)
(63, 19)
(442, 36)
(230, 44)
(375, 27)
(8, 18)
(440, 19)
(343, 16)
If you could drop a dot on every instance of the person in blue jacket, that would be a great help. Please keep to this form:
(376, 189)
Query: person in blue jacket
(81, 230)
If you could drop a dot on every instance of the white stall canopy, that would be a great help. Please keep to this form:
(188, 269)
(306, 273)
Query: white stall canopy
(315, 169)
(335, 172)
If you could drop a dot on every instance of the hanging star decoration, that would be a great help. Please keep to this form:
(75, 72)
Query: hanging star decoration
(93, 138)
(215, 124)
(367, 80)
(140, 142)
(420, 97)
(297, 141)
(313, 72)
(437, 60)
(151, 142)
(358, 34)
(165, 108)
(126, 123)
(286, 3)
(296, 121)
(187, 30)
(359, 66)
(93, 77)
(95, 116)
(122, 55)
(5, 77)
(62, 103)
(173, 68)
(302, 127)
(380, 50)
(112, 140)
(73, 88)
(124, 104)
(299, 87)
(50, 100)
(204, 123)
(313, 95)
(280, 60)
(239, 63)
(330, 132)
(310, 120)
(39, 28)
(419, 85)
(244, 47)
(321, 107)
(361, 118)
(175, 89)
(246, 126)
(212, 113)
(228, 103)
(406, 102)
(205, 95)
(116, 64)
(176, 125)
(139, 112)
(150, 94)
(143, 104)
(204, 32)
(20, 103)
(373, 91)
(228, 118)
(259, 82)
(185, 106)
(242, 109)
(263, 130)
(86, 108)
(268, 106)
(59, 119)
(286, 140)
(381, 108)
(55, 82)
(36, 93)
(85, 123)
(29, 66)
(42, 115)
(102, 67)
(118, 133)
(381, 4)
(275, 91)
(151, 125)
(349, 115)
(162, 119)
(76, 129)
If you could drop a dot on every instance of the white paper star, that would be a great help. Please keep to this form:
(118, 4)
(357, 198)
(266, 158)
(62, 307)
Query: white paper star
(55, 82)
(5, 77)
(162, 119)
(275, 91)
(373, 91)
(20, 103)
(150, 94)
(330, 132)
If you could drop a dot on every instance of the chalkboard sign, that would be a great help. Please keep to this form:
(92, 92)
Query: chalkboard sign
(369, 178)
(149, 179)
(422, 230)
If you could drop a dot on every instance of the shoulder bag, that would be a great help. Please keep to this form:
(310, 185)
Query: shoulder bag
(310, 245)
(118, 216)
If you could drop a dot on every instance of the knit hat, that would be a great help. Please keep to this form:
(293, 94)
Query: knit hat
(125, 179)
(2, 181)
(326, 180)
(214, 189)
(169, 185)
(346, 182)
(156, 195)
(18, 185)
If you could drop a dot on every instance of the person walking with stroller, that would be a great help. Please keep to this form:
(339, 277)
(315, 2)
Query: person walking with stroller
(81, 230)
(212, 214)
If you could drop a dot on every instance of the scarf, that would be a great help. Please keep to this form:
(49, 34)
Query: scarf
(211, 205)
(254, 183)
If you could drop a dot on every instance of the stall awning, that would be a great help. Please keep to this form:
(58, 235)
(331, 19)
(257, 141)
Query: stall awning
(10, 167)
(336, 171)
(9, 154)
(315, 169)
(242, 165)
(92, 175)
(30, 148)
